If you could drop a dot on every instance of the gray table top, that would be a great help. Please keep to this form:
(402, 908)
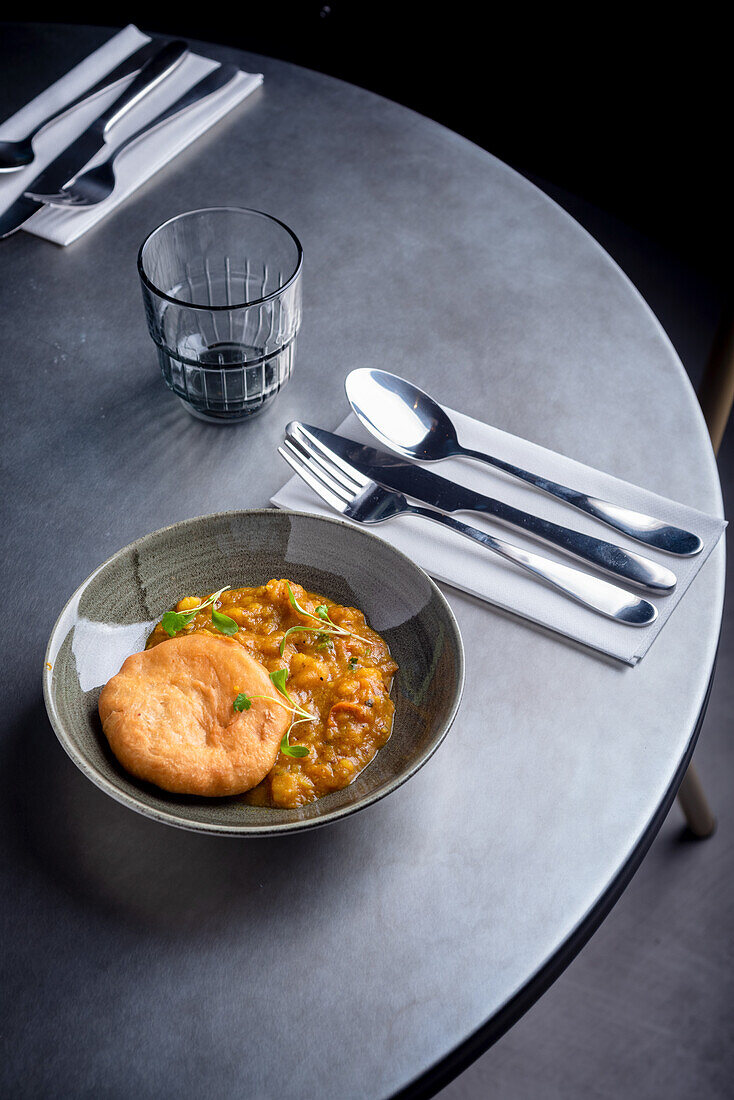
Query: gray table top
(352, 961)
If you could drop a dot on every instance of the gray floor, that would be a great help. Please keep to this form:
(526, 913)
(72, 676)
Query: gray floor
(645, 1011)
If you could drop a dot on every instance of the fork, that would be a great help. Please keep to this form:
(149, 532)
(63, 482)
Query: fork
(98, 183)
(362, 500)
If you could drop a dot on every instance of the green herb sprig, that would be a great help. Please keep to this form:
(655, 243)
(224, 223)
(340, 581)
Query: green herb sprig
(278, 678)
(325, 629)
(223, 623)
(174, 621)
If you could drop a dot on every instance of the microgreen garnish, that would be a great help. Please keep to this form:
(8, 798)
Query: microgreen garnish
(292, 750)
(174, 621)
(295, 630)
(223, 623)
(278, 679)
(352, 663)
(323, 631)
(294, 603)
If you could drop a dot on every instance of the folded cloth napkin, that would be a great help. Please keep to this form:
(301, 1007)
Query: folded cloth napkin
(450, 557)
(140, 160)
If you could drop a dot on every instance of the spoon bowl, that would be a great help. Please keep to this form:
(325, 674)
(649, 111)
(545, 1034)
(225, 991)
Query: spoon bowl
(19, 153)
(15, 154)
(401, 415)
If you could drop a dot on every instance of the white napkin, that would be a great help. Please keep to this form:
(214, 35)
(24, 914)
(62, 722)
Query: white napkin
(136, 163)
(450, 557)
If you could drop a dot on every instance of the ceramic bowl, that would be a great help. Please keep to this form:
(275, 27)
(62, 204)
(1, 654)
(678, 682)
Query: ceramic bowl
(111, 614)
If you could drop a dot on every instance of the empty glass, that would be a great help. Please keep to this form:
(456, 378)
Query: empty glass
(222, 294)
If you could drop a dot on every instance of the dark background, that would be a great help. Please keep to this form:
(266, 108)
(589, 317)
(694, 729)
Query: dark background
(618, 106)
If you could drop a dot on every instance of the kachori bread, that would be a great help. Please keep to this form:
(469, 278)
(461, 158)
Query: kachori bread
(169, 718)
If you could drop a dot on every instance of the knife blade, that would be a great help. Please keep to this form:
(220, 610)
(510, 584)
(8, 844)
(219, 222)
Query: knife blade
(163, 60)
(17, 213)
(413, 481)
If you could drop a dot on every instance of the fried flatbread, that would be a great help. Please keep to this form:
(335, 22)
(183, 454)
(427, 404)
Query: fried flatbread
(169, 718)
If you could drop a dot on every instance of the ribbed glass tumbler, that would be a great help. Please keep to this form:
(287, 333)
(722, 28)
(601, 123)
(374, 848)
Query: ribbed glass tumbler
(222, 294)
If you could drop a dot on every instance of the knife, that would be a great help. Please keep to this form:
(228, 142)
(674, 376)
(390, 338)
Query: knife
(94, 185)
(76, 155)
(128, 67)
(414, 481)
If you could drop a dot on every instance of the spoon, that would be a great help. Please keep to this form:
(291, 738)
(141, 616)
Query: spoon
(410, 422)
(96, 184)
(18, 154)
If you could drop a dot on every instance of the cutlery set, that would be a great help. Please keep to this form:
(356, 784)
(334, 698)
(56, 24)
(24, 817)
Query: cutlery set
(19, 153)
(370, 486)
(63, 182)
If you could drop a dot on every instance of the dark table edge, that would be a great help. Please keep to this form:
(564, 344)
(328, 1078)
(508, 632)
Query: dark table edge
(439, 1075)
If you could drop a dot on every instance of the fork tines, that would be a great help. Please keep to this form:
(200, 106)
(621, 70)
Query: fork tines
(299, 464)
(298, 432)
(299, 461)
(336, 481)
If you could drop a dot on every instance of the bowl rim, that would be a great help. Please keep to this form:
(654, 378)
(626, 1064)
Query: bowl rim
(173, 817)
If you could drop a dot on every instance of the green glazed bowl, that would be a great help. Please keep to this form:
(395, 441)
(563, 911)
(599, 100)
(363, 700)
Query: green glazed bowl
(111, 614)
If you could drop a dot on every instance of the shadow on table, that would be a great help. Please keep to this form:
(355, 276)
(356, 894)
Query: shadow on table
(105, 855)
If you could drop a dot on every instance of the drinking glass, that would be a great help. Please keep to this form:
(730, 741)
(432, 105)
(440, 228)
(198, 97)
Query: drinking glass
(222, 295)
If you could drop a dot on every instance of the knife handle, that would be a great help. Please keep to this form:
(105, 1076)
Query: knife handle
(211, 83)
(151, 74)
(128, 67)
(594, 593)
(636, 525)
(605, 556)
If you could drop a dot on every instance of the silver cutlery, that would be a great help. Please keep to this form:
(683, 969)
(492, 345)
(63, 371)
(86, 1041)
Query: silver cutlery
(410, 422)
(61, 170)
(98, 183)
(424, 485)
(361, 499)
(18, 154)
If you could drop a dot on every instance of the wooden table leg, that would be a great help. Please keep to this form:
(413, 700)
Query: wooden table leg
(716, 391)
(716, 395)
(694, 804)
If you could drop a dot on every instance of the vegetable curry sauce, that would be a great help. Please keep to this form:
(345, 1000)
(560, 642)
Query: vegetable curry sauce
(342, 680)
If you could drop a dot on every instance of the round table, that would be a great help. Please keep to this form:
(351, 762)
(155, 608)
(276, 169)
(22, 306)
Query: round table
(378, 956)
